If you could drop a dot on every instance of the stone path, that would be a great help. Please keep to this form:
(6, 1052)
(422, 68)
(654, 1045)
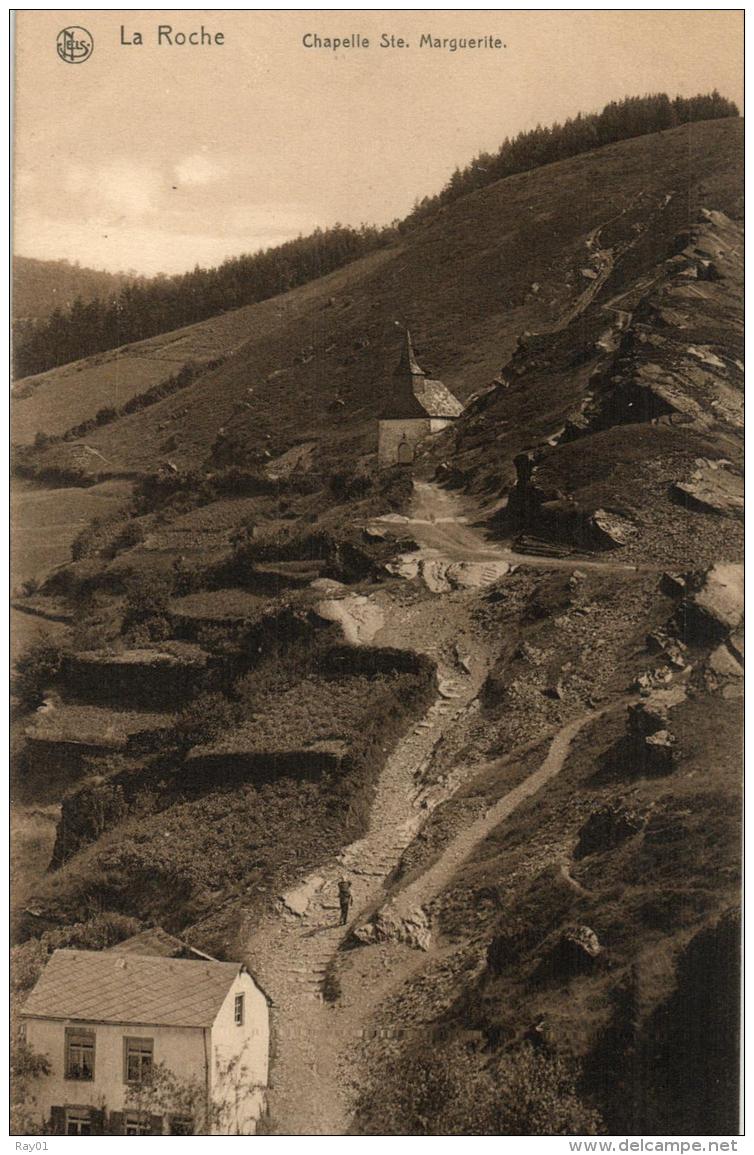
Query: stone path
(290, 952)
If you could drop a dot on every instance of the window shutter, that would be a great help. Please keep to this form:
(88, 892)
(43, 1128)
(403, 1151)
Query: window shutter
(155, 1124)
(57, 1120)
(98, 1121)
(115, 1123)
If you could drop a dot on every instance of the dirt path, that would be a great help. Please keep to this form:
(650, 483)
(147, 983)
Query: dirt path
(291, 949)
(429, 884)
(440, 522)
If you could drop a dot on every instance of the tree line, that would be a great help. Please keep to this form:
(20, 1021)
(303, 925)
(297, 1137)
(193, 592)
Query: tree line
(618, 120)
(160, 304)
(147, 307)
(41, 286)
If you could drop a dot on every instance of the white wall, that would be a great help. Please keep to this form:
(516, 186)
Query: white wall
(239, 1092)
(391, 434)
(180, 1048)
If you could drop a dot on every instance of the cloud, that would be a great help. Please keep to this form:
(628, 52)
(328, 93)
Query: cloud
(118, 187)
(198, 169)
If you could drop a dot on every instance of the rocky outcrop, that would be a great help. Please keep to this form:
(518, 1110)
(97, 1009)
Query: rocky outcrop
(663, 644)
(611, 529)
(714, 605)
(576, 952)
(712, 488)
(297, 901)
(388, 925)
(651, 742)
(649, 746)
(442, 576)
(607, 828)
(723, 671)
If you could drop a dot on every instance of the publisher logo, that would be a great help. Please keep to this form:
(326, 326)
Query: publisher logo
(75, 45)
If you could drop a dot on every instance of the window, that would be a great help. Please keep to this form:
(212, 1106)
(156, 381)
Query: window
(136, 1123)
(238, 1011)
(78, 1121)
(181, 1125)
(138, 1059)
(79, 1054)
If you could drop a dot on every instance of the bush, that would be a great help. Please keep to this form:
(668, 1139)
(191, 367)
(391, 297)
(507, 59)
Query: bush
(347, 485)
(146, 615)
(454, 1090)
(38, 668)
(26, 1065)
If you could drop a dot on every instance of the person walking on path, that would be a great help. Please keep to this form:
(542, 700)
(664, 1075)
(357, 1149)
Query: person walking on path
(345, 898)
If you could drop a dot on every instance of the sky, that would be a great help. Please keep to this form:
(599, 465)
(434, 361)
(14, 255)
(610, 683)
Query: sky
(156, 158)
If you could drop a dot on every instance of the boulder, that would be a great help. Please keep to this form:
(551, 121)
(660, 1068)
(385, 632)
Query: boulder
(736, 643)
(646, 718)
(388, 925)
(651, 680)
(297, 901)
(673, 584)
(328, 586)
(712, 489)
(607, 828)
(660, 642)
(650, 746)
(576, 952)
(724, 664)
(612, 530)
(715, 606)
(659, 752)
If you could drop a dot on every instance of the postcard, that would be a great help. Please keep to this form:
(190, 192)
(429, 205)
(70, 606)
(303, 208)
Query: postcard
(377, 574)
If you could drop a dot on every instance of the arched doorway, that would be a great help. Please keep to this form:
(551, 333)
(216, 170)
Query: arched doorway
(405, 452)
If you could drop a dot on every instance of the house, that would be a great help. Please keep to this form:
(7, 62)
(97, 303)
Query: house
(106, 1019)
(415, 407)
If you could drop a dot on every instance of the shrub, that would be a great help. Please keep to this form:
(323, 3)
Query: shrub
(348, 485)
(38, 668)
(26, 1065)
(454, 1090)
(146, 615)
(27, 961)
(86, 815)
(537, 1095)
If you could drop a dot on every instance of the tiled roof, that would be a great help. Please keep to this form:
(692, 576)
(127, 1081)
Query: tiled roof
(437, 400)
(157, 941)
(110, 987)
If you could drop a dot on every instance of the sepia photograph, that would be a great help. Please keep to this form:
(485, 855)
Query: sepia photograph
(376, 575)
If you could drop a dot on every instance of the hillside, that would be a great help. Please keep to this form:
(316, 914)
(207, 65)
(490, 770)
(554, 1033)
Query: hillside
(505, 260)
(500, 693)
(41, 287)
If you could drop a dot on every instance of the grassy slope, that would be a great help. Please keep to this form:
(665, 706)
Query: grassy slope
(463, 284)
(647, 1065)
